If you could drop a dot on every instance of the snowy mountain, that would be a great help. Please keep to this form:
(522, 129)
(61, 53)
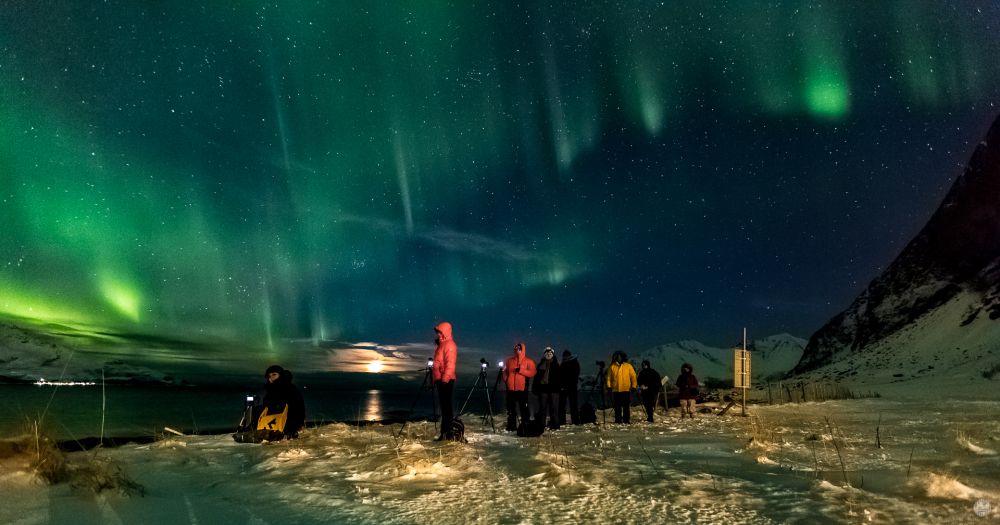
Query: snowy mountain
(772, 356)
(937, 305)
(28, 355)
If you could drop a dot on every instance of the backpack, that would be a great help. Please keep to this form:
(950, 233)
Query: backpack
(456, 432)
(273, 422)
(533, 428)
(269, 427)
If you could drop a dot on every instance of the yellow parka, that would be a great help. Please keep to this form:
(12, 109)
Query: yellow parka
(621, 377)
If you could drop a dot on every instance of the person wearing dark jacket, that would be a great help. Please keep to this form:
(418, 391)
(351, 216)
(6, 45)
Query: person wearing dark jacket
(687, 385)
(281, 396)
(649, 388)
(546, 386)
(569, 379)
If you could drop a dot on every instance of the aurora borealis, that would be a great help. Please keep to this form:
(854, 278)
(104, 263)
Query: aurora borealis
(571, 173)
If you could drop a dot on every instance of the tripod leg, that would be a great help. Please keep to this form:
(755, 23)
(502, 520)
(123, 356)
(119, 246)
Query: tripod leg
(434, 401)
(414, 405)
(489, 402)
(467, 398)
(489, 408)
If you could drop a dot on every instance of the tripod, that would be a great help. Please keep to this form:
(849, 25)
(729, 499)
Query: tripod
(496, 384)
(599, 379)
(429, 385)
(482, 384)
(247, 422)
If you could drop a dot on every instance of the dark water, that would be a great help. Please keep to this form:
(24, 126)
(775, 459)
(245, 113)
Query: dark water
(70, 413)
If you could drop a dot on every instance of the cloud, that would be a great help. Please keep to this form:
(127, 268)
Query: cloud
(453, 240)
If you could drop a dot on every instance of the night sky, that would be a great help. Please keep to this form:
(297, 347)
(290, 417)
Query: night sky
(579, 174)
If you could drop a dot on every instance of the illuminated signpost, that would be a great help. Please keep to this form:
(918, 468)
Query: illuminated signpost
(741, 370)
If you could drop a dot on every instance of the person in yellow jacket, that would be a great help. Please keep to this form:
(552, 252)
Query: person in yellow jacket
(621, 381)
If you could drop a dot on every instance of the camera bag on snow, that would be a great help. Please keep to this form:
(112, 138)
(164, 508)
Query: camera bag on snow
(456, 432)
(269, 427)
(587, 414)
(533, 428)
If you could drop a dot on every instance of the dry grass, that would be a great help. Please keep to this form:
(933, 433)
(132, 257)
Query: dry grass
(36, 452)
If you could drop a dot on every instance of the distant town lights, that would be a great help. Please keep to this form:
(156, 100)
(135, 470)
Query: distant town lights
(42, 382)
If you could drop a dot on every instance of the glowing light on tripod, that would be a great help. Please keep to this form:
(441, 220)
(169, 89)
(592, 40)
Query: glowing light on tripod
(376, 366)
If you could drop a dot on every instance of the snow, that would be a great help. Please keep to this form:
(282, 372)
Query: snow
(935, 356)
(938, 424)
(772, 355)
(807, 463)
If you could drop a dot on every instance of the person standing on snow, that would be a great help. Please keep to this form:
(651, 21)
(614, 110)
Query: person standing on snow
(649, 388)
(687, 385)
(546, 387)
(443, 373)
(621, 381)
(516, 372)
(569, 378)
(282, 397)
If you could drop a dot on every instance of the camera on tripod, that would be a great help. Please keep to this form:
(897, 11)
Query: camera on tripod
(483, 365)
(430, 362)
(600, 364)
(250, 400)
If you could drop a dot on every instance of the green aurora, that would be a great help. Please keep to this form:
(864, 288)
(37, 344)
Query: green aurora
(590, 172)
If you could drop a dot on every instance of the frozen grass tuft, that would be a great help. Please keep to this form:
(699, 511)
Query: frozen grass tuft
(37, 453)
(964, 442)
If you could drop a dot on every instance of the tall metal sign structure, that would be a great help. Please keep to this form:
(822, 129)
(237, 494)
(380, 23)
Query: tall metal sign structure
(741, 370)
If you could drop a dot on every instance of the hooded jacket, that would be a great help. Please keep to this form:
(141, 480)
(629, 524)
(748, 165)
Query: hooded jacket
(621, 376)
(649, 378)
(282, 392)
(687, 383)
(569, 372)
(517, 370)
(445, 354)
(553, 383)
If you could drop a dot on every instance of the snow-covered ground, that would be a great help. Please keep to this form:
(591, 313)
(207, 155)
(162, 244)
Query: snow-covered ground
(935, 356)
(802, 463)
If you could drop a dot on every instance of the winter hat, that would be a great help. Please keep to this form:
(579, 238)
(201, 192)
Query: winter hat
(645, 363)
(274, 368)
(549, 351)
(566, 353)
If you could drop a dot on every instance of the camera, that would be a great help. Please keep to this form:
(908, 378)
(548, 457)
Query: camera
(500, 364)
(600, 364)
(482, 363)
(430, 362)
(250, 399)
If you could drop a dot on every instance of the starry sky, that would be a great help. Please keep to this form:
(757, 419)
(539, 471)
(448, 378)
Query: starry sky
(577, 174)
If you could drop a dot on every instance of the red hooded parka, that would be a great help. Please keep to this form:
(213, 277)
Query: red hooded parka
(518, 369)
(445, 354)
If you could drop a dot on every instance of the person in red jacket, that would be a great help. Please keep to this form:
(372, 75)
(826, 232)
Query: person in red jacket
(516, 372)
(443, 373)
